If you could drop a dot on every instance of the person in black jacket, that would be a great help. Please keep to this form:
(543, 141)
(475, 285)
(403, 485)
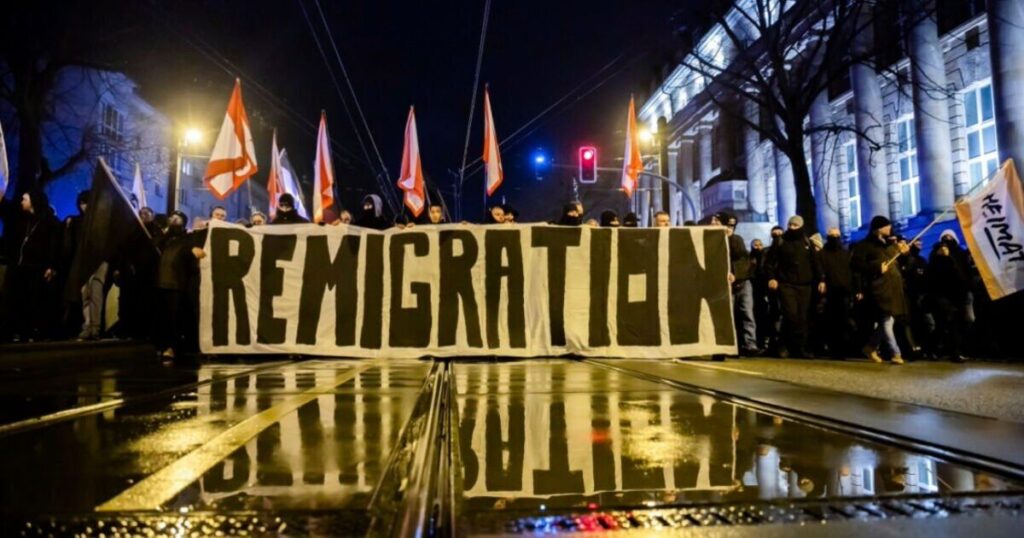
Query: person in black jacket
(949, 283)
(372, 214)
(171, 283)
(33, 267)
(881, 286)
(835, 264)
(794, 271)
(286, 213)
(741, 275)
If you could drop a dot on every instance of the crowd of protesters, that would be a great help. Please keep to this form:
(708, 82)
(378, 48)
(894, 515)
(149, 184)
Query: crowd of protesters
(798, 296)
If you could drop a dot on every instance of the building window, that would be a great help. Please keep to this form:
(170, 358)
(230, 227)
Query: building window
(113, 123)
(907, 159)
(853, 186)
(982, 145)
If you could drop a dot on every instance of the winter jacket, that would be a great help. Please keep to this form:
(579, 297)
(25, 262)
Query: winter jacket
(835, 264)
(739, 258)
(883, 291)
(793, 261)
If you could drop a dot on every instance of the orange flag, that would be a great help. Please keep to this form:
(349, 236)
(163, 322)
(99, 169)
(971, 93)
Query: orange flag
(632, 164)
(274, 187)
(411, 179)
(492, 157)
(323, 174)
(234, 157)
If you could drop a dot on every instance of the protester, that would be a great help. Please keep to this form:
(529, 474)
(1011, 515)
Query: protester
(742, 288)
(837, 326)
(794, 271)
(344, 217)
(257, 218)
(511, 215)
(609, 219)
(435, 213)
(949, 290)
(630, 220)
(881, 285)
(286, 213)
(372, 213)
(570, 215)
(30, 275)
(171, 282)
(495, 215)
(661, 220)
(72, 231)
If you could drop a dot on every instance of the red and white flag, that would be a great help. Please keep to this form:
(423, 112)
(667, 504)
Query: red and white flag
(274, 186)
(323, 174)
(411, 178)
(234, 158)
(492, 157)
(632, 164)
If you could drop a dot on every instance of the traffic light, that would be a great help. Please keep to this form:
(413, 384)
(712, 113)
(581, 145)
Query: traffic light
(588, 164)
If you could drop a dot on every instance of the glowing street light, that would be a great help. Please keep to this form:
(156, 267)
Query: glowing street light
(646, 136)
(192, 136)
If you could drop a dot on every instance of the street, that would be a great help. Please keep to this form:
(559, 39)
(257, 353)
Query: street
(395, 447)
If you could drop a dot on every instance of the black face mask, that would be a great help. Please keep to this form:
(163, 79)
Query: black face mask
(833, 242)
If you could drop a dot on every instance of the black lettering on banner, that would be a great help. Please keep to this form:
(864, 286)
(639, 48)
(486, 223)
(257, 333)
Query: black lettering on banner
(638, 322)
(322, 274)
(557, 241)
(373, 292)
(600, 273)
(456, 287)
(227, 272)
(509, 242)
(689, 284)
(274, 248)
(409, 327)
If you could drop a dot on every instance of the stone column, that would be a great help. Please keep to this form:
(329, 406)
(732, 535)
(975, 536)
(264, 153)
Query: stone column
(690, 194)
(757, 189)
(785, 186)
(1006, 34)
(704, 143)
(823, 144)
(867, 105)
(675, 211)
(931, 111)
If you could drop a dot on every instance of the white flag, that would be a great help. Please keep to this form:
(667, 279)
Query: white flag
(290, 183)
(233, 160)
(138, 189)
(993, 224)
(5, 170)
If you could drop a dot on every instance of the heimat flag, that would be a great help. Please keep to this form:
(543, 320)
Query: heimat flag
(993, 224)
(411, 178)
(138, 189)
(323, 173)
(234, 157)
(274, 187)
(632, 164)
(492, 157)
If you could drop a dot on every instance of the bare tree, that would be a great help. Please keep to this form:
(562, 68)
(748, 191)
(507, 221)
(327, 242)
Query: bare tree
(781, 55)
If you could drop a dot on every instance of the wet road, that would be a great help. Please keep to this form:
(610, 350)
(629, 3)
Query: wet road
(335, 447)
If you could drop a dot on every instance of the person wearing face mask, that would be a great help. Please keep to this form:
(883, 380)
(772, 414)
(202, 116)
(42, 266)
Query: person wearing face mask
(630, 220)
(881, 285)
(286, 213)
(570, 215)
(372, 213)
(33, 265)
(835, 263)
(171, 281)
(949, 282)
(794, 271)
(609, 219)
(741, 275)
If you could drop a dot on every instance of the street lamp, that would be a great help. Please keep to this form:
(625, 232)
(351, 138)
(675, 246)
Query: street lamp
(646, 136)
(190, 136)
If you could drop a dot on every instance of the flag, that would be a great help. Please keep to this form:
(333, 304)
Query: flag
(992, 221)
(234, 157)
(274, 187)
(411, 178)
(5, 169)
(290, 184)
(323, 173)
(491, 155)
(111, 226)
(632, 164)
(138, 189)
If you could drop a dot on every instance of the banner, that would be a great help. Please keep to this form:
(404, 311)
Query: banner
(993, 224)
(466, 290)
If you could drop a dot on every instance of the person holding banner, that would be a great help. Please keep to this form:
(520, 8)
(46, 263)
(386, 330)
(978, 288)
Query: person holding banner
(286, 213)
(881, 287)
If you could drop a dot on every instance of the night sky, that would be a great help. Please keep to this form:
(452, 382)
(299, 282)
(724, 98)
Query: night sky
(409, 53)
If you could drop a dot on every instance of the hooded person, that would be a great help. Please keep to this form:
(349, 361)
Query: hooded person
(630, 220)
(949, 285)
(609, 219)
(794, 271)
(881, 284)
(835, 263)
(286, 213)
(372, 213)
(33, 266)
(570, 215)
(511, 215)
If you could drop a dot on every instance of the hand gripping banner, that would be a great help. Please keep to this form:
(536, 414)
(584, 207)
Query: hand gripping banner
(466, 290)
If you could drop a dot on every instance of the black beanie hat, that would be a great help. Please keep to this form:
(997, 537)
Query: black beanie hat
(878, 222)
(286, 199)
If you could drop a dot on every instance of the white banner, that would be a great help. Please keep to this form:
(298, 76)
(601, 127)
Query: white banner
(992, 221)
(466, 290)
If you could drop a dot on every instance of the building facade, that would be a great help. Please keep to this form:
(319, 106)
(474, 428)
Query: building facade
(937, 145)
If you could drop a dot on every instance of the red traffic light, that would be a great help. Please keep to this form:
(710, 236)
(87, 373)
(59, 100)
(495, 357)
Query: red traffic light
(588, 164)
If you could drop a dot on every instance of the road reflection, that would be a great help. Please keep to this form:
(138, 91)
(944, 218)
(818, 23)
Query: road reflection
(544, 435)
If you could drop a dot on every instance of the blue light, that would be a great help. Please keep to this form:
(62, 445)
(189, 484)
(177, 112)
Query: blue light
(540, 159)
